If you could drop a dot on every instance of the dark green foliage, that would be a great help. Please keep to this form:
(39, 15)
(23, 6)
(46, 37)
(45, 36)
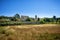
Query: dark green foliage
(42, 22)
(54, 17)
(38, 19)
(13, 19)
(10, 23)
(17, 16)
(47, 19)
(28, 19)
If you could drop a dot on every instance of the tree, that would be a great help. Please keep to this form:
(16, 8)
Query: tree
(58, 20)
(47, 20)
(17, 16)
(54, 17)
(42, 22)
(13, 19)
(38, 19)
(28, 19)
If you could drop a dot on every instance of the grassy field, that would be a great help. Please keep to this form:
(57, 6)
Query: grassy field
(30, 32)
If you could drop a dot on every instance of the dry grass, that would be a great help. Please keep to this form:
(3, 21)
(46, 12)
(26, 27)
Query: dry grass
(32, 32)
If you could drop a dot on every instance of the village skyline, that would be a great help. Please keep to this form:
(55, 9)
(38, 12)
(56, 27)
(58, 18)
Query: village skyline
(29, 16)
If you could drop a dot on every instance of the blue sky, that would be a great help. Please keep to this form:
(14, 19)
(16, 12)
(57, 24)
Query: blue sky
(41, 8)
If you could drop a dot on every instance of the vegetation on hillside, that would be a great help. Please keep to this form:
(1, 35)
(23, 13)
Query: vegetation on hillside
(16, 20)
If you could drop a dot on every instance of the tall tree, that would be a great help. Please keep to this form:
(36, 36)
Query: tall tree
(17, 16)
(54, 17)
(38, 19)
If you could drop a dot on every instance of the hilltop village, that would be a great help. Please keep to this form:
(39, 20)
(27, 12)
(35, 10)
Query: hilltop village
(22, 19)
(18, 17)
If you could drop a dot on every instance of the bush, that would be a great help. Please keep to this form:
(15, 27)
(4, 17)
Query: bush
(42, 22)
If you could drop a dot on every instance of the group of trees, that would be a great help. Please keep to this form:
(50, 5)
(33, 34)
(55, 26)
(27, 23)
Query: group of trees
(52, 20)
(17, 20)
